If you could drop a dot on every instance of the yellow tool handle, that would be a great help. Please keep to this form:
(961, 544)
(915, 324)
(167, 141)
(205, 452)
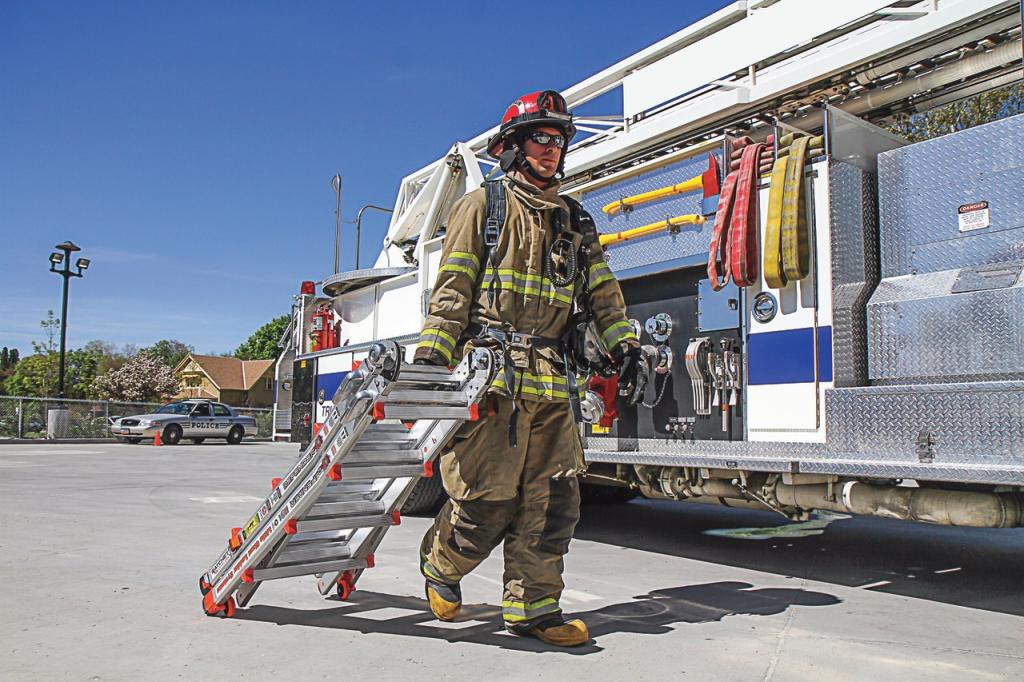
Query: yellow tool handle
(613, 238)
(615, 207)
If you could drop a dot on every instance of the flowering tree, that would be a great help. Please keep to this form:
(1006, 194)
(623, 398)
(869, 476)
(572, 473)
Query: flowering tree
(142, 378)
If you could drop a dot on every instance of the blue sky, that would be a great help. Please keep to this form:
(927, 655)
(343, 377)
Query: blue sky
(188, 147)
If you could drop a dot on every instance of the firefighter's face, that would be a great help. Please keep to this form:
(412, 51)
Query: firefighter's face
(543, 159)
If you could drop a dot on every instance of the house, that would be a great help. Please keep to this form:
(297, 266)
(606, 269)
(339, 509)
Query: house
(244, 383)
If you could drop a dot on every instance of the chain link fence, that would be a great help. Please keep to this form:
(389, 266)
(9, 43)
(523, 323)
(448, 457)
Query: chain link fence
(22, 417)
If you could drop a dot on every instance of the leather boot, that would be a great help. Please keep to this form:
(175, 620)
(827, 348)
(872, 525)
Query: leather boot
(445, 600)
(557, 632)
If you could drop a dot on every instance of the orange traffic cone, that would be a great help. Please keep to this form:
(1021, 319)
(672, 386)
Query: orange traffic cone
(156, 439)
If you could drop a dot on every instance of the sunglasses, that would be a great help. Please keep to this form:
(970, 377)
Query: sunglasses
(544, 139)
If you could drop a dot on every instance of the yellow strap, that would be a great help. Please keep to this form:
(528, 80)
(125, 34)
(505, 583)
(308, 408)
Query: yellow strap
(773, 273)
(796, 259)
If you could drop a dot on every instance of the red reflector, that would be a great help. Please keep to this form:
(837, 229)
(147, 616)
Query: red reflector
(428, 469)
(378, 411)
(409, 425)
(308, 288)
(396, 518)
(235, 541)
(317, 427)
(274, 482)
(291, 526)
(247, 576)
(334, 473)
(474, 412)
(369, 561)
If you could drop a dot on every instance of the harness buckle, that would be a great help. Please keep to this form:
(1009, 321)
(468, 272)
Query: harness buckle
(519, 339)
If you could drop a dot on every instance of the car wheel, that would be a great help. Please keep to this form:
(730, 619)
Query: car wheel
(197, 441)
(134, 441)
(172, 435)
(235, 435)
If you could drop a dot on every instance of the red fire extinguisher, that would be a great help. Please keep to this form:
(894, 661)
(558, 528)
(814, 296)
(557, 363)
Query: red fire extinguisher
(607, 388)
(325, 331)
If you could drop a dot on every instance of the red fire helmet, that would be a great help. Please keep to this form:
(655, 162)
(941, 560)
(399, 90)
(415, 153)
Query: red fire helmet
(545, 107)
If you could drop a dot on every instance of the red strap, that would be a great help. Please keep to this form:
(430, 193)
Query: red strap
(734, 238)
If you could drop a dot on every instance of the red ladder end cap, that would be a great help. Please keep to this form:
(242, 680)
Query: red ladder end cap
(396, 518)
(334, 473)
(428, 469)
(474, 412)
(274, 482)
(378, 411)
(235, 541)
(355, 364)
(247, 575)
(291, 526)
(369, 561)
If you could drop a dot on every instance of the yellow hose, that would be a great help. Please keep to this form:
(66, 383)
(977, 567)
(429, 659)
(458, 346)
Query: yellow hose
(615, 207)
(613, 238)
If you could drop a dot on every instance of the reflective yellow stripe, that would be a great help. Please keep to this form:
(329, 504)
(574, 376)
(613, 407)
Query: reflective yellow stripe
(444, 336)
(523, 283)
(542, 385)
(439, 340)
(617, 332)
(466, 255)
(518, 611)
(599, 273)
(451, 267)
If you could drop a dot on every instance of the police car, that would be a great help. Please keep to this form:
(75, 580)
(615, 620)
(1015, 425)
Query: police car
(196, 420)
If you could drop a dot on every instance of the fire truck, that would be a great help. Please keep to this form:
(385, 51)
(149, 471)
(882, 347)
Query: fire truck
(873, 362)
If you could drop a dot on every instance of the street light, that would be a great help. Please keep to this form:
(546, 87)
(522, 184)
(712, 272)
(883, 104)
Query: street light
(56, 258)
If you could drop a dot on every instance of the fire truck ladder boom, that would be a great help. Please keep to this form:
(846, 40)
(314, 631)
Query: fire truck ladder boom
(387, 423)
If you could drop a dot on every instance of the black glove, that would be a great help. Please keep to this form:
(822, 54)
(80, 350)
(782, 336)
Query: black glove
(633, 372)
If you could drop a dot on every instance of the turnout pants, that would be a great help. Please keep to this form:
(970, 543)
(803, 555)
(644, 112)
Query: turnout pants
(527, 496)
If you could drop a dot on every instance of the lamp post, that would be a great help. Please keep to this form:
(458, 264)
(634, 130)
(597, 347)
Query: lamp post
(82, 264)
(336, 186)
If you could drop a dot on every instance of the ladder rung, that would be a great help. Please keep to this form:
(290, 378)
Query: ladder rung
(383, 430)
(396, 443)
(353, 508)
(400, 411)
(365, 473)
(309, 568)
(346, 522)
(315, 552)
(426, 397)
(342, 496)
(409, 371)
(381, 457)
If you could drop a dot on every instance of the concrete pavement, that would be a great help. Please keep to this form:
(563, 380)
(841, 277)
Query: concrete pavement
(102, 545)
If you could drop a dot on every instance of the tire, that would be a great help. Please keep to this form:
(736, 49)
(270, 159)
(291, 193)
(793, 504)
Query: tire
(235, 435)
(197, 441)
(426, 498)
(134, 441)
(171, 435)
(592, 493)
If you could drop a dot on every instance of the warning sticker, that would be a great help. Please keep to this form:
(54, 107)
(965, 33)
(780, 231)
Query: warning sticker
(973, 216)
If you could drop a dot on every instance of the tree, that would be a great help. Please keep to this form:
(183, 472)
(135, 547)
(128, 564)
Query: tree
(51, 328)
(971, 111)
(142, 378)
(36, 375)
(262, 345)
(171, 351)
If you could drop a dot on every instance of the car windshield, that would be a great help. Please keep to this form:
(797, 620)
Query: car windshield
(175, 408)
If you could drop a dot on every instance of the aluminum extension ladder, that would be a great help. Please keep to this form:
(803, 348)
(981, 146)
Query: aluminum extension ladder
(326, 517)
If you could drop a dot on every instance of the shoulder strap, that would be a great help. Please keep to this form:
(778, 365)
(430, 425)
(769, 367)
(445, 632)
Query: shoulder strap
(581, 221)
(496, 209)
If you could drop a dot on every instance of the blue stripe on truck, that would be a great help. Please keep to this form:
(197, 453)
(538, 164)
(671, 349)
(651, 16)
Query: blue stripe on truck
(329, 384)
(787, 357)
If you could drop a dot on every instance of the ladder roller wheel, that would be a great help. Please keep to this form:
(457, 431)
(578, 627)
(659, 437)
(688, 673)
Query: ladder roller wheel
(225, 610)
(345, 586)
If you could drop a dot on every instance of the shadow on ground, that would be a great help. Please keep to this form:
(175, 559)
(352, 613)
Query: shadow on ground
(651, 614)
(973, 567)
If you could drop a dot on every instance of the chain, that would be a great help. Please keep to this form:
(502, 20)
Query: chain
(661, 393)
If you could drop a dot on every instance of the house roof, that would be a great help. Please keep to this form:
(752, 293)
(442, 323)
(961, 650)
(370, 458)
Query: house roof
(230, 374)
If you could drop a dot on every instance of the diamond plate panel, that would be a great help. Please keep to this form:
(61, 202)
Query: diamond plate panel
(691, 240)
(919, 331)
(853, 227)
(920, 187)
(976, 424)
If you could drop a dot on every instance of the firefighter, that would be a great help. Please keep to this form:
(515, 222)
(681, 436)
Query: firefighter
(511, 475)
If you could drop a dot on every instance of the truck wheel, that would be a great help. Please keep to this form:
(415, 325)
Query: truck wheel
(235, 435)
(171, 435)
(592, 493)
(426, 498)
(197, 441)
(134, 441)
